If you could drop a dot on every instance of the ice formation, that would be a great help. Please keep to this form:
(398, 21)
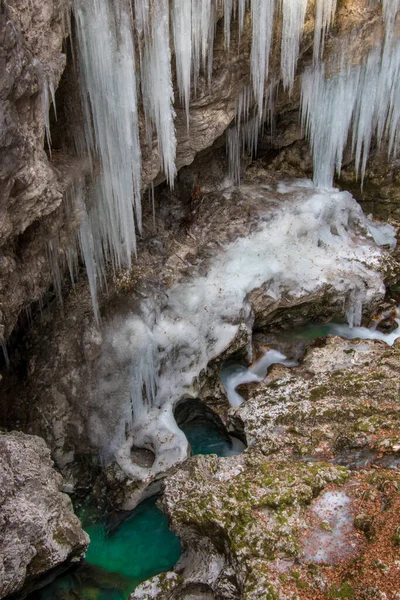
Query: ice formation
(115, 81)
(310, 238)
(331, 536)
(108, 72)
(324, 15)
(293, 15)
(364, 100)
(262, 16)
(156, 80)
(305, 239)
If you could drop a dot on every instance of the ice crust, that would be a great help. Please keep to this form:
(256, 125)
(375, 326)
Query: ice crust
(331, 538)
(306, 239)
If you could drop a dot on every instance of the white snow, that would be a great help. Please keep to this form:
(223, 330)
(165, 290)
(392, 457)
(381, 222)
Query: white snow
(330, 540)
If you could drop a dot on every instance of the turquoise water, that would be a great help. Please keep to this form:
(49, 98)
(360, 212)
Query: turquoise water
(118, 560)
(206, 439)
(122, 555)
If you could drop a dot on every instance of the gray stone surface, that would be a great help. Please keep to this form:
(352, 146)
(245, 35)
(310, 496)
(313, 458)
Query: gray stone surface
(38, 529)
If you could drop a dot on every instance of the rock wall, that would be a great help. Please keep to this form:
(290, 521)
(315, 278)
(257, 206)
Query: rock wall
(36, 223)
(31, 35)
(38, 529)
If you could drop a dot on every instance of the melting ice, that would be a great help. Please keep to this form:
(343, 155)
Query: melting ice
(305, 240)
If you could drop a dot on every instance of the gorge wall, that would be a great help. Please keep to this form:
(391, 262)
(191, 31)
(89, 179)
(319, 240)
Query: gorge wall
(41, 208)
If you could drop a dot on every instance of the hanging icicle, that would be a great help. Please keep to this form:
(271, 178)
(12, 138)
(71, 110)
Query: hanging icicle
(182, 27)
(156, 76)
(107, 59)
(262, 15)
(293, 15)
(325, 11)
(364, 98)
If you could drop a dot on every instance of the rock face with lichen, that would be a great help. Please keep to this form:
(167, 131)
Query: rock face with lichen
(38, 529)
(310, 510)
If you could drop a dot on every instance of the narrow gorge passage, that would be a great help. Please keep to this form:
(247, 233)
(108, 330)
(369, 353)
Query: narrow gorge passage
(126, 549)
(199, 299)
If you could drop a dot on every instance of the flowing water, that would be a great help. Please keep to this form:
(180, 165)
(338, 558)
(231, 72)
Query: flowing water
(206, 439)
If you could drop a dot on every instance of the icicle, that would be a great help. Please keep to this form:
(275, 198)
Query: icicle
(228, 11)
(365, 97)
(153, 207)
(48, 98)
(5, 353)
(242, 137)
(182, 28)
(233, 146)
(389, 10)
(241, 13)
(86, 245)
(203, 30)
(354, 306)
(293, 15)
(72, 262)
(325, 11)
(327, 110)
(158, 94)
(52, 252)
(262, 15)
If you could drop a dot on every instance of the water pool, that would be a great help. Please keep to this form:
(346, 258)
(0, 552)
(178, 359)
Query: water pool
(120, 556)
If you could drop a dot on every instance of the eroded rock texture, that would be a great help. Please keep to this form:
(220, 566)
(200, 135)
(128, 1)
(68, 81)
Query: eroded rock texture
(38, 529)
(31, 35)
(310, 510)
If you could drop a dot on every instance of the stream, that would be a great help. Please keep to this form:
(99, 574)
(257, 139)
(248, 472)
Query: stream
(133, 547)
(122, 555)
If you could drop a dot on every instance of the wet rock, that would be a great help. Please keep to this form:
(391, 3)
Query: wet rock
(38, 529)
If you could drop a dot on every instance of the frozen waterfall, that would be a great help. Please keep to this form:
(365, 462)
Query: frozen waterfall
(140, 62)
(127, 62)
(302, 241)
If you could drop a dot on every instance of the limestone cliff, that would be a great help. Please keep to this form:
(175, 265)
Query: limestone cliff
(38, 529)
(37, 222)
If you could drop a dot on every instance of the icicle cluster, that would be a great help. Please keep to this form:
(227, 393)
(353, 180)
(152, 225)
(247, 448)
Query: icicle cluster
(364, 100)
(125, 62)
(108, 73)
